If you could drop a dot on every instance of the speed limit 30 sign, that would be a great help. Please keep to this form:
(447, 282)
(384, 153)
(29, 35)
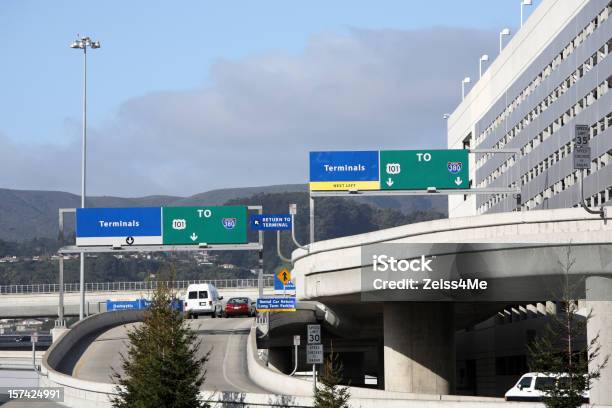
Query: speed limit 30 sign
(314, 334)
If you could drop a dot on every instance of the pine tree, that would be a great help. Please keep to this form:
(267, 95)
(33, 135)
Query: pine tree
(329, 393)
(161, 369)
(555, 352)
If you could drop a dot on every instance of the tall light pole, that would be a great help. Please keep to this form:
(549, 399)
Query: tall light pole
(483, 58)
(82, 44)
(523, 4)
(466, 80)
(502, 33)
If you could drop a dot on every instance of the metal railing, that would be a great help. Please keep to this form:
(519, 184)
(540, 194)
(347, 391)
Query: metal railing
(268, 282)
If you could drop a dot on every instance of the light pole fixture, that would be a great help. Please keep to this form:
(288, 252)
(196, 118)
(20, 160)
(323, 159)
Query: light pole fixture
(83, 44)
(502, 33)
(446, 116)
(483, 58)
(466, 80)
(523, 4)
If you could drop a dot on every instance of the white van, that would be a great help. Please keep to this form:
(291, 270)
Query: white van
(202, 299)
(530, 387)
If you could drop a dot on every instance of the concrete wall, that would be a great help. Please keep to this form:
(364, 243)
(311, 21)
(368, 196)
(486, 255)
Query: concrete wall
(46, 304)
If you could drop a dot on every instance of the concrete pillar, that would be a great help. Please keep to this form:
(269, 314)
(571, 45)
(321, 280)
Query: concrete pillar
(419, 347)
(599, 301)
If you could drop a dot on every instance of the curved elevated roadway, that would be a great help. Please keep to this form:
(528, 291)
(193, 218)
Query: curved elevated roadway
(225, 338)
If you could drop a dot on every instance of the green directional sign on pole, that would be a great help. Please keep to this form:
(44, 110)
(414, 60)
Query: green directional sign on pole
(422, 169)
(210, 225)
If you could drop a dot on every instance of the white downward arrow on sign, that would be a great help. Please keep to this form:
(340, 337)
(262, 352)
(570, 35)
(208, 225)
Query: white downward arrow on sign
(193, 236)
(458, 181)
(389, 182)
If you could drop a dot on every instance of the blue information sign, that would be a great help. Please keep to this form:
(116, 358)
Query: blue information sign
(344, 170)
(278, 284)
(270, 222)
(118, 226)
(277, 304)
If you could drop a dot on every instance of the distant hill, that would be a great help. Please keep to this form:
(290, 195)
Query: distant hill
(27, 214)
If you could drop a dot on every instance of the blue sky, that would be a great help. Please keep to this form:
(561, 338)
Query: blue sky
(185, 47)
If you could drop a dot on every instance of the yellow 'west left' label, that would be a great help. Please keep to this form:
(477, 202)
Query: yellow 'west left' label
(344, 185)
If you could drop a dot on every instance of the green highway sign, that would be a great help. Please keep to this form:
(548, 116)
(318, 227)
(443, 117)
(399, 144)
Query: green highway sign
(421, 169)
(210, 225)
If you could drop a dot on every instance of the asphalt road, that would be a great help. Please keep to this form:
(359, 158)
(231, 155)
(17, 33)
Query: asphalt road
(226, 367)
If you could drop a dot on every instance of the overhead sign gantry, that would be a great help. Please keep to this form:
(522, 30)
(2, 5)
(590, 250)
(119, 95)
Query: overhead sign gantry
(395, 172)
(159, 229)
(389, 170)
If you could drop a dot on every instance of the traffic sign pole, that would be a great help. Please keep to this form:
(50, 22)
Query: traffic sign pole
(582, 161)
(312, 219)
(33, 340)
(278, 248)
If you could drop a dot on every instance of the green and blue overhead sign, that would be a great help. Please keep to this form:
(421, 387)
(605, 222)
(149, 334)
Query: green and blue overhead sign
(389, 170)
(161, 226)
(210, 225)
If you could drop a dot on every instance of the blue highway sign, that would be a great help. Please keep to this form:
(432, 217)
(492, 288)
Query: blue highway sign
(118, 226)
(278, 304)
(278, 284)
(270, 222)
(344, 170)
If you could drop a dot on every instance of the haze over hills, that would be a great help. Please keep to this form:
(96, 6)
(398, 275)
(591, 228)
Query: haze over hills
(27, 214)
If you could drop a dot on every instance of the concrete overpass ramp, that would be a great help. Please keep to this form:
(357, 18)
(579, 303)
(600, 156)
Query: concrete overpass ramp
(519, 255)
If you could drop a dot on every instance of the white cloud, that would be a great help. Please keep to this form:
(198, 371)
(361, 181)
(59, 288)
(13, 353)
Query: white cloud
(256, 122)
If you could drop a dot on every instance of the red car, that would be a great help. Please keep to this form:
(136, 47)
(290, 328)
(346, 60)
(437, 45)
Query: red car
(238, 306)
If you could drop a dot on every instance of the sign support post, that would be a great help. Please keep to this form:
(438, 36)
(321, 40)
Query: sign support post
(278, 248)
(61, 322)
(314, 350)
(312, 219)
(34, 340)
(582, 161)
(260, 234)
(296, 344)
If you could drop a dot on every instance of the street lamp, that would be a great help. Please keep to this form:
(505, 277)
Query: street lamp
(502, 33)
(523, 4)
(466, 80)
(446, 116)
(483, 58)
(82, 44)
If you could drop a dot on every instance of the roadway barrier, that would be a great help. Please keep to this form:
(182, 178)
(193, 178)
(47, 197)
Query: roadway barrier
(77, 392)
(132, 286)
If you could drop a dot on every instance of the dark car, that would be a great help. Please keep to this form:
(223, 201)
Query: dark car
(238, 306)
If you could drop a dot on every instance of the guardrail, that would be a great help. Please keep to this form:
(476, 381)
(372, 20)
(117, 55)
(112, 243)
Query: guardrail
(132, 286)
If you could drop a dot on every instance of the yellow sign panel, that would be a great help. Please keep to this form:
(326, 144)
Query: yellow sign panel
(284, 276)
(344, 185)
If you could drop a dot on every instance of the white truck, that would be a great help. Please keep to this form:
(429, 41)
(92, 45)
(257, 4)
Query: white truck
(202, 299)
(531, 386)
